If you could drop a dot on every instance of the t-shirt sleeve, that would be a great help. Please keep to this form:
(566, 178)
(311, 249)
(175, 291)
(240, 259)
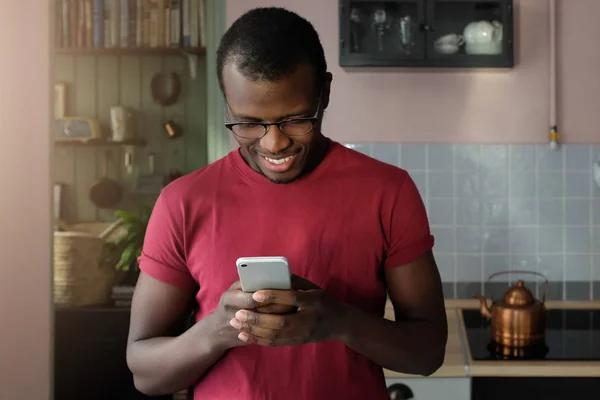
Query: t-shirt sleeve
(408, 231)
(163, 253)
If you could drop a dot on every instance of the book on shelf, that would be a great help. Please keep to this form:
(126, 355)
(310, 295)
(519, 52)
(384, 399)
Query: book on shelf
(122, 24)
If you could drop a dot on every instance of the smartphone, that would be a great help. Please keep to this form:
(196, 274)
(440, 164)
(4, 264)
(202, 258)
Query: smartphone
(257, 273)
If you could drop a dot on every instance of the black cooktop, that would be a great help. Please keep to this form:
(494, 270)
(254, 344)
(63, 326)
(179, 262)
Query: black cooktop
(571, 335)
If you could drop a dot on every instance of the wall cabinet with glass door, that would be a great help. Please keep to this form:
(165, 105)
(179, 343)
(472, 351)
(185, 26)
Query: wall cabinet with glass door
(426, 33)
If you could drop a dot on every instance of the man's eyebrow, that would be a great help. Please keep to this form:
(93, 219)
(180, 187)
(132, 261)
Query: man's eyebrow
(248, 118)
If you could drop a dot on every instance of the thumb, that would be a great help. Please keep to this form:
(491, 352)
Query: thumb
(237, 285)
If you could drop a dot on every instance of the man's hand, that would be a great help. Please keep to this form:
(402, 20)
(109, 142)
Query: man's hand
(315, 319)
(232, 301)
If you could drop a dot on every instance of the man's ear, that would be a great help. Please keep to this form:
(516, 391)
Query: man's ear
(326, 90)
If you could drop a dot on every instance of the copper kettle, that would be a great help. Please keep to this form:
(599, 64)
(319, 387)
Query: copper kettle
(518, 319)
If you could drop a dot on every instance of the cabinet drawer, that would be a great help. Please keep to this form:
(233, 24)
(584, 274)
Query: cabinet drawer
(432, 388)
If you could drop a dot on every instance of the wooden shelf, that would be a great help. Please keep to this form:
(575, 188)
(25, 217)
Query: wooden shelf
(138, 51)
(101, 142)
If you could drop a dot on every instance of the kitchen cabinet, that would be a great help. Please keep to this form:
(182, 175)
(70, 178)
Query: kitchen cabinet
(89, 355)
(429, 388)
(527, 388)
(426, 33)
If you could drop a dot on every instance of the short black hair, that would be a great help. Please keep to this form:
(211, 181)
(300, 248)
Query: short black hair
(268, 43)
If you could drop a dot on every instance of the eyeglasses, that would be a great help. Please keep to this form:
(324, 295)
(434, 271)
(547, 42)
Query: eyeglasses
(289, 127)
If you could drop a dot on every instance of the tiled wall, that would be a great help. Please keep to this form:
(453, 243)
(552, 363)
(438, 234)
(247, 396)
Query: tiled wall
(507, 207)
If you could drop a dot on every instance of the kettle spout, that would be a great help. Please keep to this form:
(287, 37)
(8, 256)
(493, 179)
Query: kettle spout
(483, 308)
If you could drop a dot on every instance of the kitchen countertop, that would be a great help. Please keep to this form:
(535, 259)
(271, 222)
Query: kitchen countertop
(458, 362)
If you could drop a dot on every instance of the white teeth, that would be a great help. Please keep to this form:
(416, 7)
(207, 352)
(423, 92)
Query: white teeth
(278, 161)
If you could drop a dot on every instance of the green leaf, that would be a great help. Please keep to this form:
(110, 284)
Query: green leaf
(120, 240)
(127, 247)
(124, 215)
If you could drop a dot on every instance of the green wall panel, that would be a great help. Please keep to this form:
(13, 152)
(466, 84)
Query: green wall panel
(96, 83)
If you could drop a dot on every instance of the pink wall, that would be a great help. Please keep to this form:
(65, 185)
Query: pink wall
(465, 106)
(579, 70)
(25, 205)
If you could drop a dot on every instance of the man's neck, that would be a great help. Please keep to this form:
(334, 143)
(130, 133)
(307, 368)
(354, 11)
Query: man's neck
(318, 153)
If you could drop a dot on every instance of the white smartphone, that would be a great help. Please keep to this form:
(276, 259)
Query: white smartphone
(257, 273)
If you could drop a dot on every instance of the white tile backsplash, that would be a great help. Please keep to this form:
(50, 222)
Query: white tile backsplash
(499, 207)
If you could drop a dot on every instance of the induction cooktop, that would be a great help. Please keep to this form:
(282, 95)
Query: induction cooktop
(571, 335)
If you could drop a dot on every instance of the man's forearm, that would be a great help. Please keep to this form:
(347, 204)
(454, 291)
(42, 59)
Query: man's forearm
(166, 365)
(411, 347)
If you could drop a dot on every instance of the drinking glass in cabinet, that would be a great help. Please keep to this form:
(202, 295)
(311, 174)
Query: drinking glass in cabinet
(384, 28)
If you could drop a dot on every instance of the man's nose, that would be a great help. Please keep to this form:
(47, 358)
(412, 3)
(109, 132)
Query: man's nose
(275, 141)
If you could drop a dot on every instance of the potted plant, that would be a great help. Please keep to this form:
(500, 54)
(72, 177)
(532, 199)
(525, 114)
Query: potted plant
(127, 246)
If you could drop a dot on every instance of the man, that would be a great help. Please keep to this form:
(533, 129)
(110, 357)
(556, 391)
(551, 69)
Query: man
(352, 228)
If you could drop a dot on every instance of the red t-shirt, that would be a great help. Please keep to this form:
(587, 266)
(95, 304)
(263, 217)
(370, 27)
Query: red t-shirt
(338, 227)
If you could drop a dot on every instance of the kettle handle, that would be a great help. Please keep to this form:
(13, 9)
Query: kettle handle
(525, 272)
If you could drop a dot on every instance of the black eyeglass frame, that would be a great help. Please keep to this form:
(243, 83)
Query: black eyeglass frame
(266, 125)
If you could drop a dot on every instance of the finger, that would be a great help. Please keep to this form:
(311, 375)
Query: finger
(270, 326)
(237, 285)
(295, 329)
(307, 298)
(271, 342)
(299, 283)
(268, 321)
(236, 299)
(253, 330)
(295, 298)
(276, 309)
(282, 297)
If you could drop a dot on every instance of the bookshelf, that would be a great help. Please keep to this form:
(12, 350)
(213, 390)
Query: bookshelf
(101, 142)
(133, 51)
(106, 54)
(130, 27)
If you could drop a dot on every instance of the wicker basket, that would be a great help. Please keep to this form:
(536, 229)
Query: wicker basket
(82, 274)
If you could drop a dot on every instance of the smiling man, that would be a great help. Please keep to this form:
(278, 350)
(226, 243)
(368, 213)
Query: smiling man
(293, 103)
(353, 229)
